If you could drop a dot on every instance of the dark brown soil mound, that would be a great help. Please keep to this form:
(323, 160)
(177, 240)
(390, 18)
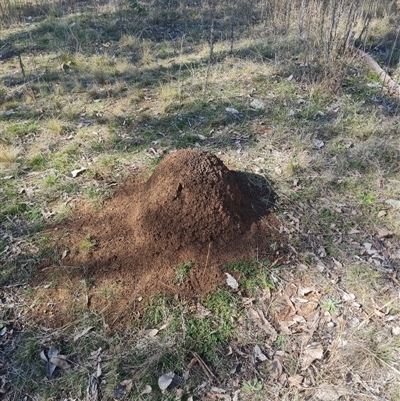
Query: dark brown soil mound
(192, 199)
(193, 208)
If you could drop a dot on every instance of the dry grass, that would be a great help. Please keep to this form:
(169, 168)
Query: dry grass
(111, 91)
(8, 155)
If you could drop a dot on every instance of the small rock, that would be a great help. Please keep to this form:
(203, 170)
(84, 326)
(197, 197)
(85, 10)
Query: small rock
(384, 233)
(396, 330)
(318, 143)
(382, 213)
(257, 104)
(394, 203)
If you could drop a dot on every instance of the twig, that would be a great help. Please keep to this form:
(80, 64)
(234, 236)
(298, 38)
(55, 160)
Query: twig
(373, 313)
(205, 368)
(385, 78)
(208, 255)
(211, 54)
(21, 64)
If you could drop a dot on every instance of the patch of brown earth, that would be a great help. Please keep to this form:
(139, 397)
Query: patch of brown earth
(193, 208)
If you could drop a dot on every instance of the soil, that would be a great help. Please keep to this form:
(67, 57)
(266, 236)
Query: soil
(192, 208)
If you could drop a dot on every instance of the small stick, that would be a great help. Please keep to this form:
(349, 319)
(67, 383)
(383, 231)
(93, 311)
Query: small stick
(208, 255)
(206, 369)
(21, 64)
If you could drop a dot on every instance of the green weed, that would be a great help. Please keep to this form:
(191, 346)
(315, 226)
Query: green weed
(331, 305)
(181, 272)
(252, 386)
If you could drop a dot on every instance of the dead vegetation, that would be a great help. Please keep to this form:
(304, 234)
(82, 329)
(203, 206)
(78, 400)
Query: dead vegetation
(93, 92)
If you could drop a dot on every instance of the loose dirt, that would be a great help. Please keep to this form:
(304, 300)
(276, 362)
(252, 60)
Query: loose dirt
(192, 208)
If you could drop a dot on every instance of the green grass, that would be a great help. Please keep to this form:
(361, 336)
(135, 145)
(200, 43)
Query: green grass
(253, 275)
(181, 272)
(147, 68)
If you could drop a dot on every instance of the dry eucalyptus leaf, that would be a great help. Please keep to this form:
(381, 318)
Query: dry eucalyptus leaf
(83, 332)
(43, 356)
(218, 390)
(201, 311)
(348, 297)
(75, 173)
(258, 354)
(151, 332)
(231, 110)
(63, 256)
(165, 380)
(295, 381)
(369, 249)
(53, 351)
(61, 361)
(258, 317)
(98, 370)
(276, 369)
(93, 389)
(305, 291)
(146, 390)
(329, 392)
(123, 388)
(283, 327)
(311, 353)
(50, 368)
(231, 281)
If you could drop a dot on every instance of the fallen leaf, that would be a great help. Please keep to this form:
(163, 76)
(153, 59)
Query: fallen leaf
(146, 390)
(218, 390)
(43, 356)
(258, 354)
(231, 281)
(283, 326)
(93, 389)
(201, 311)
(123, 388)
(258, 317)
(369, 249)
(311, 353)
(61, 361)
(63, 256)
(82, 333)
(75, 173)
(348, 297)
(276, 369)
(53, 351)
(98, 370)
(329, 392)
(305, 290)
(231, 110)
(169, 380)
(295, 381)
(151, 332)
